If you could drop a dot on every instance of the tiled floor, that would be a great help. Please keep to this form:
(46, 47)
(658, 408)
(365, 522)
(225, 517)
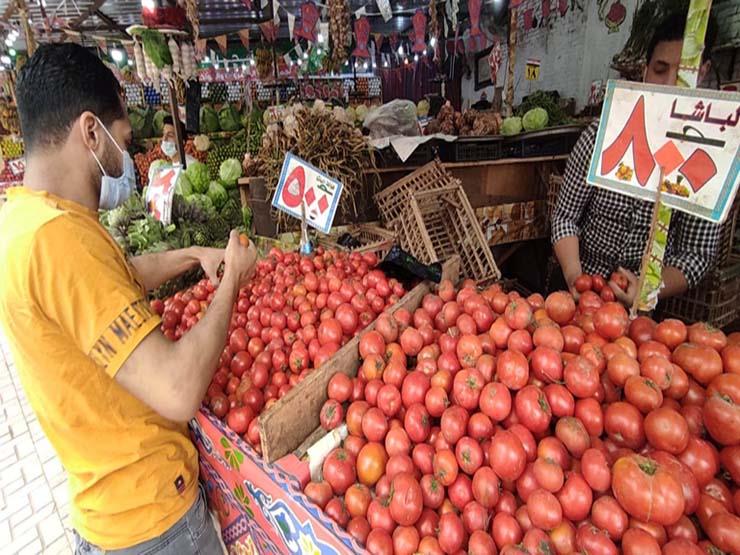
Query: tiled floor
(34, 513)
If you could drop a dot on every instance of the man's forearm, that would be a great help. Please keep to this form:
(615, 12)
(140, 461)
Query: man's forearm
(567, 251)
(160, 267)
(199, 350)
(674, 282)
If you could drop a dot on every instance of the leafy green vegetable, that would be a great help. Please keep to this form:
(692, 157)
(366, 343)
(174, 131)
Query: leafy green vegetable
(158, 122)
(541, 99)
(228, 118)
(141, 122)
(535, 119)
(230, 171)
(183, 186)
(208, 119)
(217, 194)
(155, 46)
(199, 177)
(511, 126)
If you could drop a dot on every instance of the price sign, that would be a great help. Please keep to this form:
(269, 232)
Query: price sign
(17, 166)
(160, 193)
(300, 183)
(532, 70)
(692, 134)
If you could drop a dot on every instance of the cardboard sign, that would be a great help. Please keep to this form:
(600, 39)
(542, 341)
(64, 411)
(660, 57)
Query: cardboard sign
(302, 184)
(693, 134)
(532, 70)
(17, 166)
(160, 192)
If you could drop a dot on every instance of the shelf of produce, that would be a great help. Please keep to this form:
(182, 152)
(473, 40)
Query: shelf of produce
(259, 500)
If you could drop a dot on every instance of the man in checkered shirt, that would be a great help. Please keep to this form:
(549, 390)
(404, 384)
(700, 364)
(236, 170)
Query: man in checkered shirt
(597, 231)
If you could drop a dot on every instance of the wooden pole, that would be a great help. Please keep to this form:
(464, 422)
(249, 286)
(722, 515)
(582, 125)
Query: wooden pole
(179, 139)
(509, 109)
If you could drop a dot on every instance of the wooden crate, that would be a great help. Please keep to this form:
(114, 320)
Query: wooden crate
(393, 201)
(553, 189)
(442, 223)
(288, 423)
(372, 238)
(713, 301)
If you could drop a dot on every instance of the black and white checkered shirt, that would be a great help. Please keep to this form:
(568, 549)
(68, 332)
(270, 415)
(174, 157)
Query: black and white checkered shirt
(613, 228)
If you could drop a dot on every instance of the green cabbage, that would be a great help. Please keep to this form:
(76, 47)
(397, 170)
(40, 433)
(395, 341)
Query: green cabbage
(228, 118)
(208, 120)
(230, 171)
(197, 173)
(183, 187)
(535, 119)
(217, 194)
(203, 202)
(511, 126)
(141, 122)
(158, 122)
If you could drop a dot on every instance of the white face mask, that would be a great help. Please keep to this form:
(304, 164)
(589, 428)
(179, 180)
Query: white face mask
(169, 148)
(115, 190)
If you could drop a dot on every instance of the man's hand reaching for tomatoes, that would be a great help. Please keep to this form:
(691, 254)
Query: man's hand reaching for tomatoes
(240, 259)
(624, 284)
(210, 260)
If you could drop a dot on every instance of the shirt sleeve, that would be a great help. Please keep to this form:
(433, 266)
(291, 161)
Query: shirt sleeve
(82, 282)
(693, 246)
(574, 194)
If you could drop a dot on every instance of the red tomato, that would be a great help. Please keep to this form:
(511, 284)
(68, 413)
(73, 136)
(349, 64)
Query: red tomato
(561, 307)
(417, 423)
(339, 470)
(451, 533)
(331, 415)
(544, 509)
(647, 490)
(667, 430)
(507, 455)
(319, 492)
(512, 369)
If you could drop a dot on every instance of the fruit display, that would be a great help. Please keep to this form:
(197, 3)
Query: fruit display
(292, 317)
(485, 422)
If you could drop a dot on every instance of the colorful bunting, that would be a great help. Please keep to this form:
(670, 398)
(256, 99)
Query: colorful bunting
(309, 17)
(546, 8)
(362, 35)
(222, 41)
(200, 48)
(244, 38)
(291, 25)
(419, 22)
(269, 31)
(474, 10)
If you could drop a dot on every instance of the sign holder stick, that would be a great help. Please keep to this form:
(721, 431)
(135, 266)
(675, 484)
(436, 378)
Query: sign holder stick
(649, 254)
(688, 73)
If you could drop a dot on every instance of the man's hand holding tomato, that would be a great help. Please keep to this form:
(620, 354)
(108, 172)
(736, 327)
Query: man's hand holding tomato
(625, 286)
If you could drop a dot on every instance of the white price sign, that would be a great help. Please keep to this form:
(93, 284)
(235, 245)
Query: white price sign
(300, 183)
(692, 134)
(160, 193)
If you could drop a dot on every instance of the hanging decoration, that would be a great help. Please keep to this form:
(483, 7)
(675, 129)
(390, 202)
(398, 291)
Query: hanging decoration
(200, 48)
(309, 17)
(546, 8)
(528, 19)
(102, 44)
(291, 25)
(452, 7)
(269, 31)
(244, 38)
(378, 39)
(247, 4)
(419, 22)
(339, 32)
(434, 27)
(494, 60)
(563, 7)
(276, 13)
(384, 7)
(474, 11)
(223, 42)
(362, 35)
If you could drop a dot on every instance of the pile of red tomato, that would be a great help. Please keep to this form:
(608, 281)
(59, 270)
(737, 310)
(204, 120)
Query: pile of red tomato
(294, 314)
(487, 423)
(595, 285)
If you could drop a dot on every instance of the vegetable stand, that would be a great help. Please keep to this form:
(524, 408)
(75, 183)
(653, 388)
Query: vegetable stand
(260, 504)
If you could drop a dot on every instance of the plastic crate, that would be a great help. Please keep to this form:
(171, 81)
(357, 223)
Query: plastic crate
(713, 301)
(548, 142)
(387, 157)
(371, 238)
(472, 149)
(441, 224)
(393, 201)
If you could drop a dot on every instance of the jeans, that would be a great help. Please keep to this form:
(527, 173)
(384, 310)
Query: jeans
(194, 533)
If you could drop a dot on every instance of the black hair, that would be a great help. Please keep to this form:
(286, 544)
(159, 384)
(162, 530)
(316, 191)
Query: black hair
(169, 120)
(672, 28)
(56, 85)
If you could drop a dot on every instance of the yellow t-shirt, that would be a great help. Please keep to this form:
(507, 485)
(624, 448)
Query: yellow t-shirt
(73, 310)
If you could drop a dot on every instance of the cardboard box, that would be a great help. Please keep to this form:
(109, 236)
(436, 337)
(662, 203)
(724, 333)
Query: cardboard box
(518, 221)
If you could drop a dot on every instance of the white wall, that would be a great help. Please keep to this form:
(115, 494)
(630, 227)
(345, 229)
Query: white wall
(574, 49)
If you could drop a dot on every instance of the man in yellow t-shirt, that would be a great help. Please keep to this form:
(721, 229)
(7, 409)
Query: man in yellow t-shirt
(109, 390)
